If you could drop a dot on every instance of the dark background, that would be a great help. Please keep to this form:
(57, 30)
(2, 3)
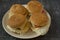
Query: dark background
(52, 6)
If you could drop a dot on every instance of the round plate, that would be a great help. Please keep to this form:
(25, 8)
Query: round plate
(28, 35)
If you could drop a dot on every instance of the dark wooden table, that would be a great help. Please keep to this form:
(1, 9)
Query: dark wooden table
(52, 6)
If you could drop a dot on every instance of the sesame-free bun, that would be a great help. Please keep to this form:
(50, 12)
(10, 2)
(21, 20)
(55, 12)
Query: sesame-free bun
(16, 20)
(18, 24)
(34, 7)
(39, 20)
(18, 9)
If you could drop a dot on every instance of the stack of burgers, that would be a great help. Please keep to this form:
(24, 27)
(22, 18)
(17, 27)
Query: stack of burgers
(22, 19)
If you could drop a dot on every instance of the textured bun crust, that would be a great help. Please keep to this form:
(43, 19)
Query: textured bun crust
(18, 9)
(16, 20)
(34, 6)
(39, 19)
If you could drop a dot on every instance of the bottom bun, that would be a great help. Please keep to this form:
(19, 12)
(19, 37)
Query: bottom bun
(41, 31)
(13, 30)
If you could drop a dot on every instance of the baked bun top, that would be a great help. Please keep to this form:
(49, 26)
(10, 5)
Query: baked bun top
(39, 19)
(18, 9)
(34, 6)
(16, 20)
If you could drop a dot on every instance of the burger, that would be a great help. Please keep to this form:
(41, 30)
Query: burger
(34, 7)
(18, 9)
(18, 24)
(39, 23)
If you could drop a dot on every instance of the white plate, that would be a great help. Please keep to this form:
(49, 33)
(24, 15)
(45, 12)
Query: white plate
(27, 35)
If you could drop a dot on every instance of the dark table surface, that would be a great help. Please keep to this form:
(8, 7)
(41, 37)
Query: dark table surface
(52, 6)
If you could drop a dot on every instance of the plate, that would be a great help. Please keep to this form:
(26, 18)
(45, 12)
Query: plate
(28, 35)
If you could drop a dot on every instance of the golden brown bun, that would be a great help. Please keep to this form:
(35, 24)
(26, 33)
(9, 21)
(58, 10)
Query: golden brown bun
(34, 6)
(21, 30)
(39, 19)
(16, 20)
(18, 9)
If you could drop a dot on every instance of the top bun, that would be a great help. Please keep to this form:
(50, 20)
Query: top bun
(16, 21)
(18, 9)
(39, 20)
(34, 6)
